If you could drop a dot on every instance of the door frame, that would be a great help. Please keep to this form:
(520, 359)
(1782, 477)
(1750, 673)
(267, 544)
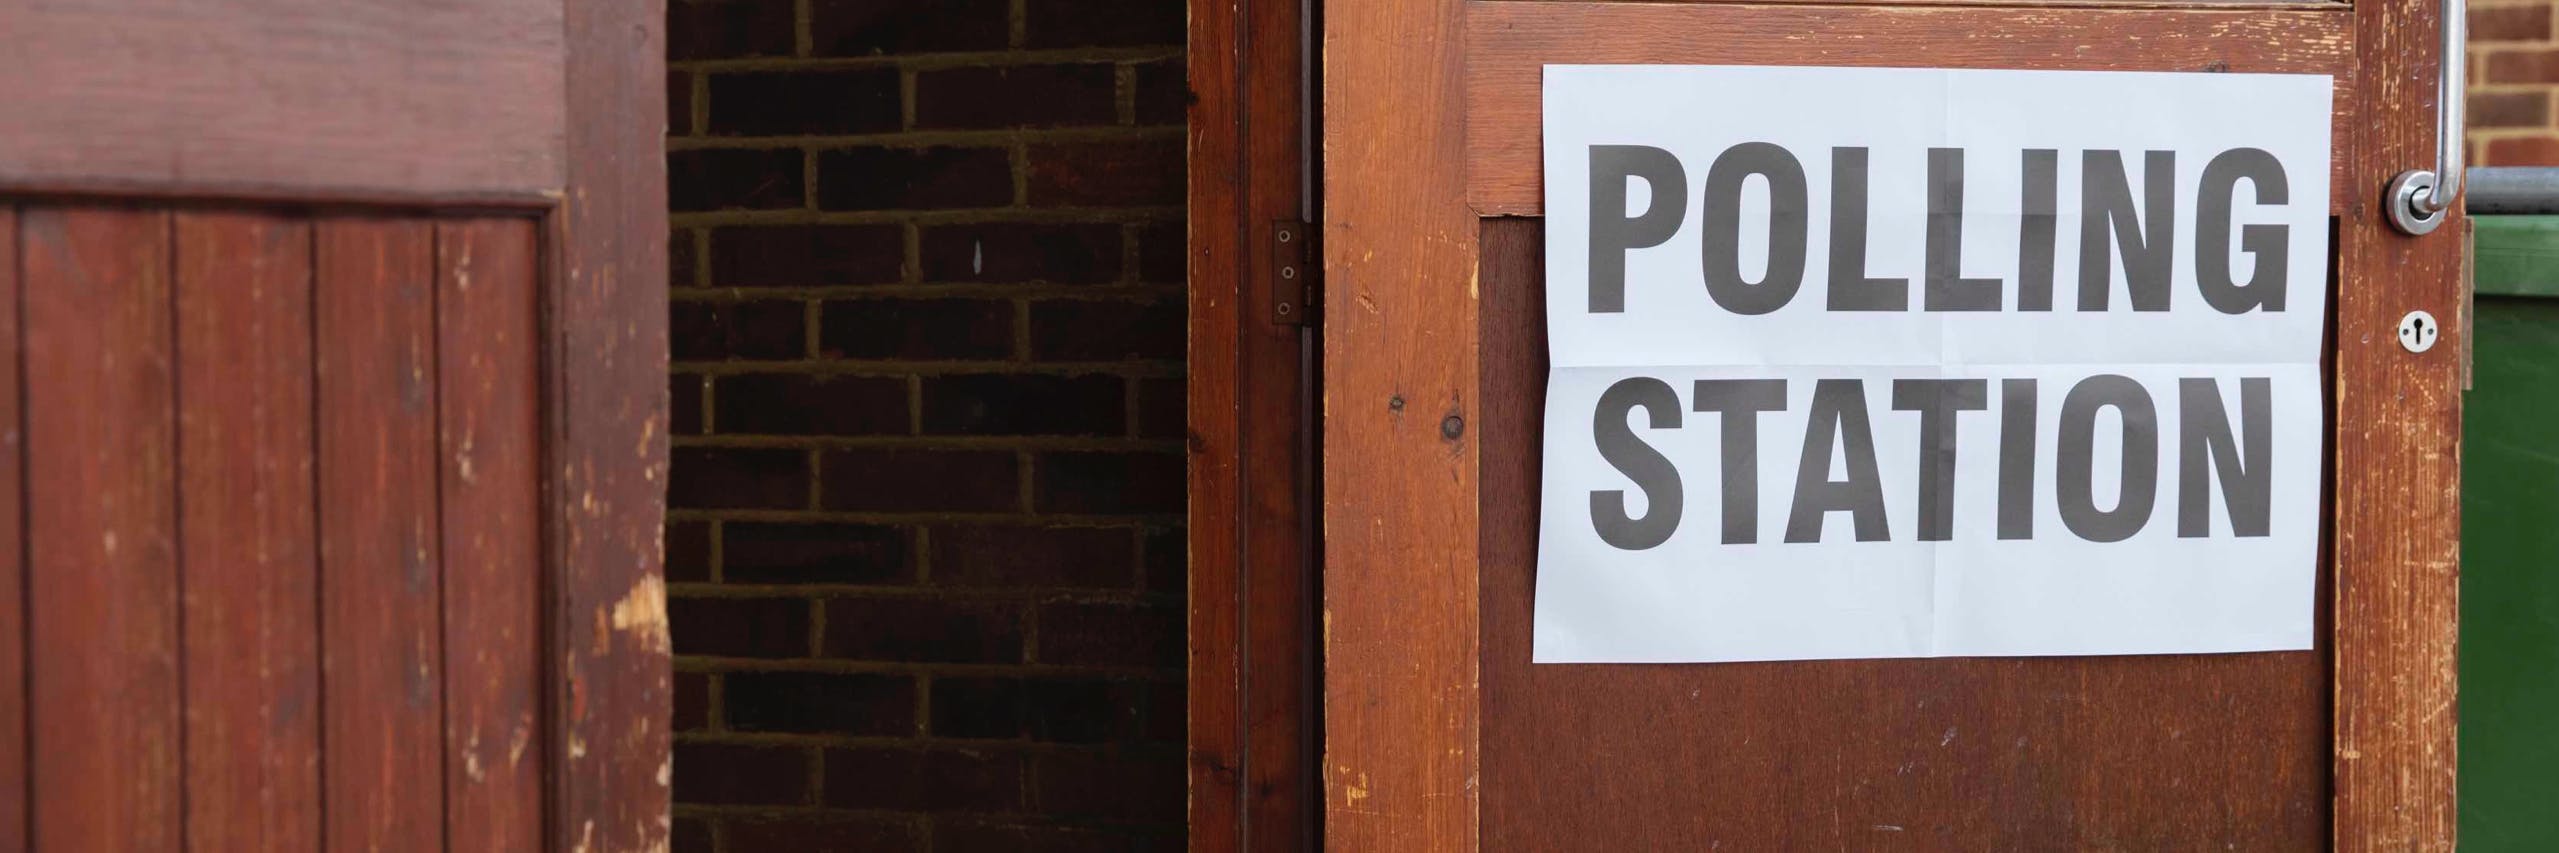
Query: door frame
(1401, 468)
(1253, 669)
(596, 182)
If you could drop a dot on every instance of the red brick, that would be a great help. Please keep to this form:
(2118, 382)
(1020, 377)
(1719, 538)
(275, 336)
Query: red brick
(2525, 151)
(1167, 709)
(692, 701)
(1163, 253)
(764, 552)
(819, 702)
(1028, 557)
(679, 103)
(2509, 109)
(720, 331)
(927, 329)
(914, 178)
(1128, 173)
(727, 29)
(740, 627)
(1013, 252)
(1163, 408)
(800, 404)
(680, 258)
(1018, 96)
(922, 480)
(824, 833)
(1113, 786)
(878, 27)
(690, 835)
(1111, 634)
(1105, 482)
(1048, 710)
(688, 551)
(734, 178)
(1163, 92)
(1112, 330)
(737, 478)
(1025, 404)
(730, 774)
(923, 630)
(807, 255)
(1168, 560)
(2509, 23)
(684, 398)
(2523, 66)
(1102, 23)
(789, 103)
(924, 780)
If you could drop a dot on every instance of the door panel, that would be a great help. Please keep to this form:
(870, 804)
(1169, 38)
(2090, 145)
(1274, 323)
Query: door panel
(284, 568)
(1440, 735)
(2065, 753)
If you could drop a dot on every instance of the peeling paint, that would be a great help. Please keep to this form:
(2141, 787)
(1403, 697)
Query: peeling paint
(642, 613)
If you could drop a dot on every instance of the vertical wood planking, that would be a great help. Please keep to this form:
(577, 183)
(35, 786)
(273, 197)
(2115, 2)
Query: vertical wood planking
(252, 641)
(103, 584)
(381, 628)
(2398, 462)
(488, 371)
(13, 605)
(1402, 712)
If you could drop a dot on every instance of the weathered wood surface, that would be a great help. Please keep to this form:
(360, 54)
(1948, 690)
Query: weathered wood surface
(487, 355)
(606, 437)
(1509, 43)
(2398, 461)
(370, 100)
(246, 531)
(102, 582)
(1401, 711)
(380, 564)
(13, 544)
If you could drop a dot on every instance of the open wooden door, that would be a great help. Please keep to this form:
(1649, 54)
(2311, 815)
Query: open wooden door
(332, 379)
(1439, 734)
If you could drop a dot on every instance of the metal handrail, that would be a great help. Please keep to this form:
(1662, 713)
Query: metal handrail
(2418, 198)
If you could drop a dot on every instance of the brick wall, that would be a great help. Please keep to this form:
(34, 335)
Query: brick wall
(2514, 74)
(925, 541)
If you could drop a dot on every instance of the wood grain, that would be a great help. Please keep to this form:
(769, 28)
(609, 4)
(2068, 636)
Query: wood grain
(1252, 670)
(1401, 709)
(102, 560)
(1509, 43)
(246, 538)
(14, 780)
(2398, 462)
(380, 569)
(488, 370)
(379, 100)
(606, 390)
(2151, 752)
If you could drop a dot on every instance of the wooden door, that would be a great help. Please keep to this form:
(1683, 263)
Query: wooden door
(331, 379)
(1438, 732)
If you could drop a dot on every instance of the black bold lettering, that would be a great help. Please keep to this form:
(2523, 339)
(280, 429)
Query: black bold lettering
(1612, 230)
(2146, 239)
(2247, 478)
(1720, 237)
(1647, 467)
(1839, 412)
(2269, 243)
(1740, 401)
(2076, 474)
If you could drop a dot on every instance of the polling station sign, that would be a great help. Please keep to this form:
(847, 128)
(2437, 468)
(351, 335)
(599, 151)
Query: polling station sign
(1855, 363)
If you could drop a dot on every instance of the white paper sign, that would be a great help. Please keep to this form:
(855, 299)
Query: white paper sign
(1855, 363)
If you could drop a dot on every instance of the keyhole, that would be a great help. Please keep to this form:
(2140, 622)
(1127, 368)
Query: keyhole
(2417, 331)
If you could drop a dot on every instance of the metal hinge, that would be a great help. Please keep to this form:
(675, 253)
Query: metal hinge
(1294, 295)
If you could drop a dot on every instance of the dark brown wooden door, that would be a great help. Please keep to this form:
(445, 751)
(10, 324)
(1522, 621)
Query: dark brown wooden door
(1439, 734)
(331, 376)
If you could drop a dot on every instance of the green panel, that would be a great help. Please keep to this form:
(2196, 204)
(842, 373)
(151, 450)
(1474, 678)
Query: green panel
(2515, 255)
(2510, 580)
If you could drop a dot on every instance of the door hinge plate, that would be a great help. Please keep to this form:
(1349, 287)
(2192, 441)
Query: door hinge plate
(1293, 274)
